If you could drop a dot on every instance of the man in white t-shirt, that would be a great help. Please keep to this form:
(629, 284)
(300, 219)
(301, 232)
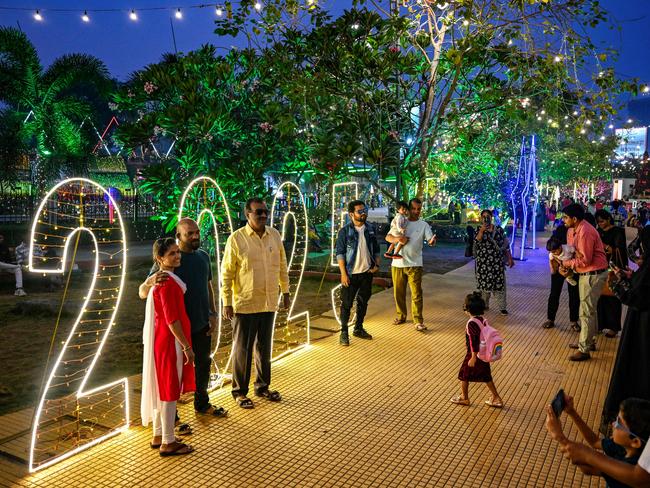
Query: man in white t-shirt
(408, 270)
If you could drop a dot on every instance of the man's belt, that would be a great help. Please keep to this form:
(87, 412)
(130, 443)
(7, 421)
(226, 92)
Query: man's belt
(591, 273)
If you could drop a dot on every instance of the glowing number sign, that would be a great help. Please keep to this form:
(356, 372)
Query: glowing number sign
(342, 194)
(292, 223)
(204, 201)
(70, 418)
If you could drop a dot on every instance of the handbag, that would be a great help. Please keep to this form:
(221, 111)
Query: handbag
(611, 276)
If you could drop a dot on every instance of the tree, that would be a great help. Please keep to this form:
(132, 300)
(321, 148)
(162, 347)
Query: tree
(453, 63)
(52, 102)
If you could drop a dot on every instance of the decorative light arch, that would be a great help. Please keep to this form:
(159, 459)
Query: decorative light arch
(203, 199)
(70, 418)
(291, 335)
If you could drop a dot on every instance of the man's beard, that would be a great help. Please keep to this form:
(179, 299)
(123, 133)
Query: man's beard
(196, 244)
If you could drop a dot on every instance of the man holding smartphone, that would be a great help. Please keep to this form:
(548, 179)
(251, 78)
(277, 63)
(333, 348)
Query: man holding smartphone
(408, 270)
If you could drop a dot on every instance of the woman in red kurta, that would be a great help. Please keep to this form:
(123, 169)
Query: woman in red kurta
(168, 361)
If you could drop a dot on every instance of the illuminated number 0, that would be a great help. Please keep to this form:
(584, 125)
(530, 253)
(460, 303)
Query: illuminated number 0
(70, 418)
(204, 201)
(292, 223)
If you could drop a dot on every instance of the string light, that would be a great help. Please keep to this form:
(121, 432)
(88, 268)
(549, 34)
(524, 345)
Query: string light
(37, 16)
(48, 428)
(178, 14)
(258, 6)
(85, 17)
(133, 16)
(219, 11)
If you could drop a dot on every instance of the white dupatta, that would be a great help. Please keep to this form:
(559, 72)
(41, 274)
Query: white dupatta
(150, 399)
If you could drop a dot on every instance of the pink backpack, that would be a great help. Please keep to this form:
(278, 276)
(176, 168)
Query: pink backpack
(491, 342)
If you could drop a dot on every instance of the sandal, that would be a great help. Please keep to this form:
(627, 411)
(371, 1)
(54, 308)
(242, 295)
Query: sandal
(420, 327)
(271, 395)
(180, 450)
(183, 429)
(245, 402)
(157, 446)
(459, 400)
(494, 404)
(214, 411)
(399, 321)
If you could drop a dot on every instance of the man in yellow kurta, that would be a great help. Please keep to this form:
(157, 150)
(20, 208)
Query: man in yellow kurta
(253, 272)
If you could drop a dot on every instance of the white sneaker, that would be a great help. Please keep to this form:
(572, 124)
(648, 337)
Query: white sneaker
(20, 292)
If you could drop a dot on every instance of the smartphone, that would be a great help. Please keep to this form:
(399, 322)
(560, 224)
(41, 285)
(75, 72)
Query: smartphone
(558, 403)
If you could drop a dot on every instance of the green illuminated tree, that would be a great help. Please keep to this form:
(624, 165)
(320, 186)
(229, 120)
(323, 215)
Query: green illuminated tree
(52, 102)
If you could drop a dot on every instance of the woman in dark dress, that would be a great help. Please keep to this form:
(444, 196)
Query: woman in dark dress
(609, 307)
(491, 249)
(631, 373)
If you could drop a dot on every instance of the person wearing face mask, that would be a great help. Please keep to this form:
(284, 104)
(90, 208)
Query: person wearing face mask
(253, 273)
(631, 373)
(491, 247)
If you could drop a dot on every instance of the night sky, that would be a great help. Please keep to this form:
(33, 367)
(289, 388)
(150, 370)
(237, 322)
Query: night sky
(125, 45)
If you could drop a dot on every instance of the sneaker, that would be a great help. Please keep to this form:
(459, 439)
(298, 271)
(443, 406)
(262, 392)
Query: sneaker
(580, 356)
(361, 334)
(575, 346)
(344, 340)
(549, 324)
(20, 292)
(503, 312)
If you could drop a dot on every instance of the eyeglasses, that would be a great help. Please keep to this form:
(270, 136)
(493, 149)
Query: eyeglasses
(362, 211)
(619, 425)
(260, 211)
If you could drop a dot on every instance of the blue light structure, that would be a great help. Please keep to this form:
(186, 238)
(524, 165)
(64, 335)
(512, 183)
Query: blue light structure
(524, 198)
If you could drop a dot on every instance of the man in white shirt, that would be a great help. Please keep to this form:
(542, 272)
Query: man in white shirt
(357, 253)
(408, 270)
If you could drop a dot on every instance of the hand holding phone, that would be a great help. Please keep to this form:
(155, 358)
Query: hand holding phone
(558, 403)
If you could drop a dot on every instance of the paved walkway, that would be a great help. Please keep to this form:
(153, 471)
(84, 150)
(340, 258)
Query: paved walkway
(378, 413)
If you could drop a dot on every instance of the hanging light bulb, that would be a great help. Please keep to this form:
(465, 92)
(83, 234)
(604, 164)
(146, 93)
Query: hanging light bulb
(646, 89)
(85, 17)
(38, 16)
(258, 6)
(133, 15)
(178, 14)
(219, 11)
(557, 58)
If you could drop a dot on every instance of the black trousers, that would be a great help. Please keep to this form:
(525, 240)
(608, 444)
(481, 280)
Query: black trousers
(251, 330)
(610, 310)
(361, 289)
(202, 347)
(557, 281)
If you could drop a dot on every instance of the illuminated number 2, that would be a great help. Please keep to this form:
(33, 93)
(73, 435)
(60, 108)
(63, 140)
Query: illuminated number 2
(204, 201)
(342, 194)
(69, 417)
(293, 225)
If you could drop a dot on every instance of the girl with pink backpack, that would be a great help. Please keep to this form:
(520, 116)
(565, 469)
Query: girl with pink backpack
(483, 346)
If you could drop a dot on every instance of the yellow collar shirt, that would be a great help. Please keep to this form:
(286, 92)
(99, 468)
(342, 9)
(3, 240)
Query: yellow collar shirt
(253, 271)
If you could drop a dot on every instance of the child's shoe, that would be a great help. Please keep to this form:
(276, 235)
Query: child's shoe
(388, 255)
(397, 256)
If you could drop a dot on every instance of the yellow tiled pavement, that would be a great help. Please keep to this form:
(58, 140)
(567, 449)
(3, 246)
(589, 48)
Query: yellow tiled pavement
(378, 413)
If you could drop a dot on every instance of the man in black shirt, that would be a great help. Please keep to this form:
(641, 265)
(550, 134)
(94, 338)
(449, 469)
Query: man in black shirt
(196, 272)
(16, 270)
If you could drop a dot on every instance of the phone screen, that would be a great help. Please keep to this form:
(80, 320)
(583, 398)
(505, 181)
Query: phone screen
(558, 403)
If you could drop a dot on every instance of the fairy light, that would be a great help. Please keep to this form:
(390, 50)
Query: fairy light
(258, 6)
(178, 14)
(340, 212)
(297, 211)
(219, 11)
(85, 17)
(37, 16)
(216, 211)
(133, 16)
(48, 419)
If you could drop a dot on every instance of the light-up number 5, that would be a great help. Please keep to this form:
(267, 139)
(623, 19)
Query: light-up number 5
(289, 217)
(69, 417)
(342, 194)
(204, 201)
